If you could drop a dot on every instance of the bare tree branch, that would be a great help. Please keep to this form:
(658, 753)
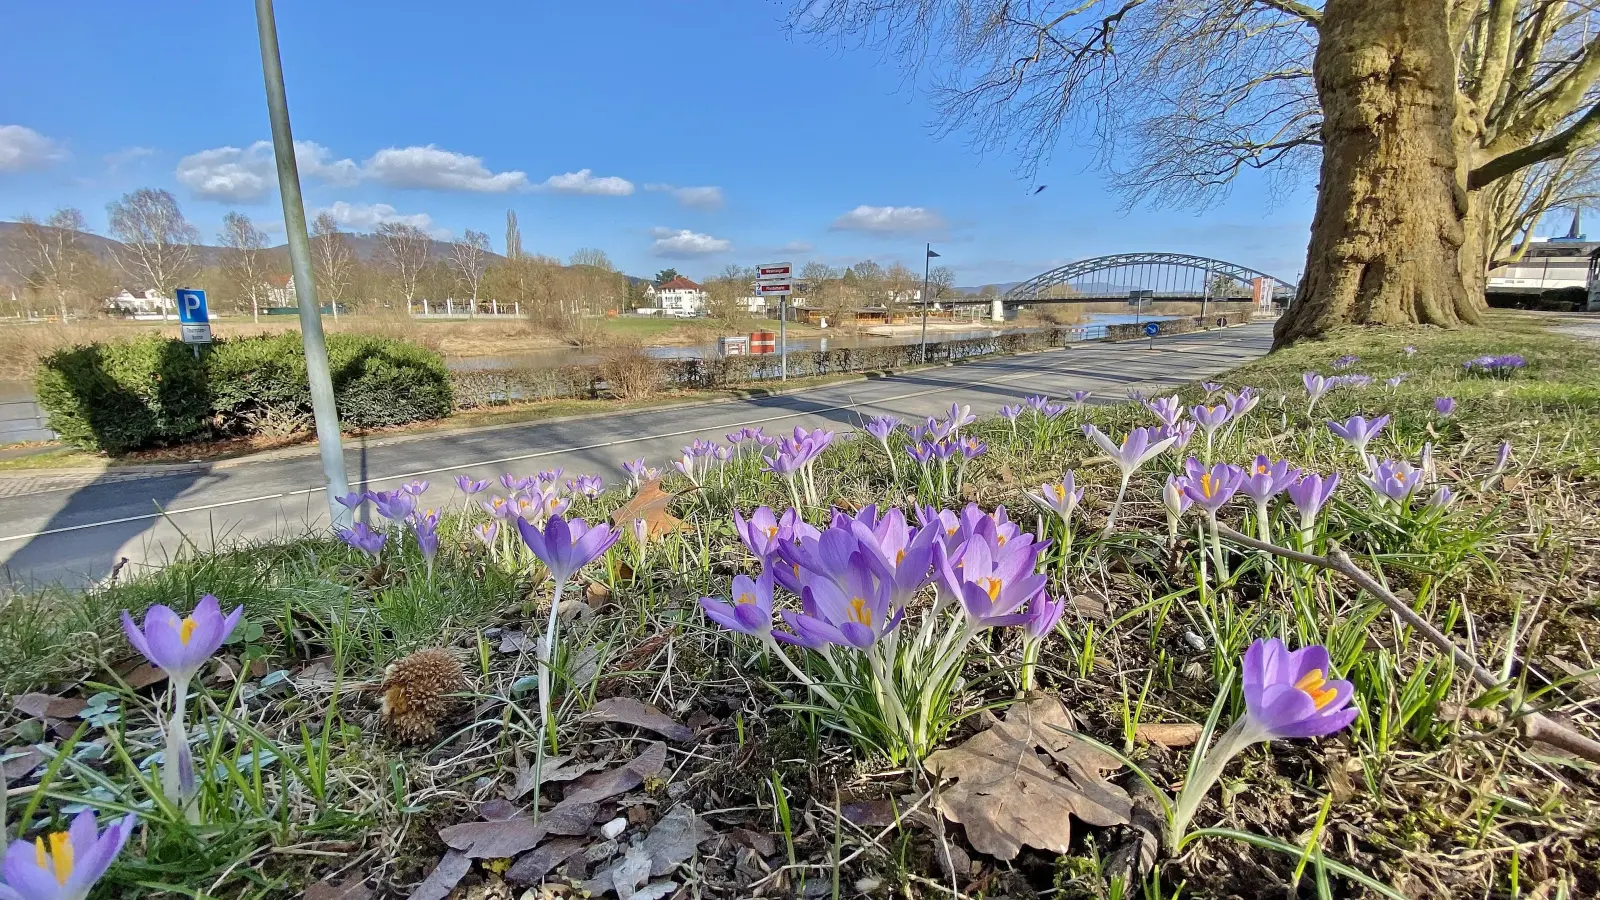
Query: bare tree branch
(1580, 134)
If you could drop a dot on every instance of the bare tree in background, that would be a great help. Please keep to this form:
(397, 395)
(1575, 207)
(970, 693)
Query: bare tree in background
(405, 249)
(50, 259)
(1517, 204)
(513, 236)
(726, 293)
(1409, 109)
(332, 259)
(243, 264)
(941, 283)
(593, 283)
(469, 256)
(157, 241)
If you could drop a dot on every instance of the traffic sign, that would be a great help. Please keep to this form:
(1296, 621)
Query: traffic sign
(192, 306)
(780, 271)
(774, 288)
(195, 319)
(1152, 328)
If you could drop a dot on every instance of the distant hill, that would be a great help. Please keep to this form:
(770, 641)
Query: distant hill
(1000, 287)
(1101, 288)
(367, 247)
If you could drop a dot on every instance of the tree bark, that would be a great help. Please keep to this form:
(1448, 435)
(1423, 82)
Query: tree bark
(1390, 223)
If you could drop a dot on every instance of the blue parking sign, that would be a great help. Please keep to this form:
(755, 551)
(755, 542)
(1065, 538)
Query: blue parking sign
(192, 306)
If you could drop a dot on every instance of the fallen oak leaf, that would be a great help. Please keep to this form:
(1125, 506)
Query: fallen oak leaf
(541, 861)
(505, 838)
(628, 711)
(605, 785)
(1007, 795)
(650, 504)
(49, 706)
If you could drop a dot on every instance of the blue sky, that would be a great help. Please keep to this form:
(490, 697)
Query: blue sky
(685, 134)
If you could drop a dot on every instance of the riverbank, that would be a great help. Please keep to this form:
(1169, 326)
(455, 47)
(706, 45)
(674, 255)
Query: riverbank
(697, 738)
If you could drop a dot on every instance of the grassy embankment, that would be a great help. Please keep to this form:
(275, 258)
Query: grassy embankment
(1426, 792)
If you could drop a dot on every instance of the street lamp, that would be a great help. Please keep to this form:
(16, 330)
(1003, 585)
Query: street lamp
(925, 260)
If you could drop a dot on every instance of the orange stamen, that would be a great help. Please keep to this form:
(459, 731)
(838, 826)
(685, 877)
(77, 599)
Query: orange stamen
(1314, 684)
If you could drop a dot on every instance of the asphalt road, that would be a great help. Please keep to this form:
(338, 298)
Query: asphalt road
(74, 530)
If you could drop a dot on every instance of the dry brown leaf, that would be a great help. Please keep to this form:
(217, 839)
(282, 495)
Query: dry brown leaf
(452, 867)
(626, 777)
(1007, 795)
(49, 706)
(142, 675)
(627, 711)
(536, 864)
(509, 837)
(21, 765)
(650, 504)
(1168, 734)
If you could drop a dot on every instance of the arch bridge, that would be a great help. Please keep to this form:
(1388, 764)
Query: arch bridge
(1154, 276)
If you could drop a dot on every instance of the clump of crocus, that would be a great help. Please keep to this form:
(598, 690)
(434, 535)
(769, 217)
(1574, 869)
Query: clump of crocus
(638, 473)
(564, 548)
(470, 487)
(1346, 361)
(587, 486)
(179, 646)
(363, 538)
(417, 694)
(1168, 409)
(1137, 447)
(63, 865)
(1394, 481)
(1495, 366)
(1287, 694)
(882, 427)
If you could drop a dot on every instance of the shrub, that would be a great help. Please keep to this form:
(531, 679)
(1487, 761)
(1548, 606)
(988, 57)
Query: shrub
(125, 395)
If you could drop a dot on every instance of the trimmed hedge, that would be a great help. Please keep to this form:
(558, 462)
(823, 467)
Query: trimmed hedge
(132, 395)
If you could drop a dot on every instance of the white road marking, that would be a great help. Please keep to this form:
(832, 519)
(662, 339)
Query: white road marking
(1015, 376)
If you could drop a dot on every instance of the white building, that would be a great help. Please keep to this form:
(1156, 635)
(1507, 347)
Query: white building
(280, 291)
(141, 304)
(679, 297)
(1547, 265)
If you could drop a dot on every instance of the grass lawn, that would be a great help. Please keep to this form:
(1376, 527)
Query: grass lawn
(1428, 791)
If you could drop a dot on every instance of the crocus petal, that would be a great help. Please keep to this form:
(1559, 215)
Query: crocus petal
(722, 614)
(135, 636)
(24, 876)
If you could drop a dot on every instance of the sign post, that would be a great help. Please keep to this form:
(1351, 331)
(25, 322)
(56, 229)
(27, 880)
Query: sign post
(194, 320)
(777, 280)
(1151, 329)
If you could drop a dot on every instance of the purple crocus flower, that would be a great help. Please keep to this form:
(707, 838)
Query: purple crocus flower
(590, 486)
(1358, 431)
(763, 531)
(1176, 503)
(920, 453)
(1290, 694)
(1264, 480)
(1309, 495)
(426, 526)
(1167, 409)
(416, 488)
(1139, 445)
(1394, 480)
(1037, 402)
(394, 505)
(1210, 387)
(972, 448)
(363, 538)
(565, 547)
(1212, 417)
(63, 865)
(1136, 395)
(635, 471)
(1241, 403)
(751, 610)
(1316, 388)
(1394, 381)
(351, 500)
(499, 507)
(945, 448)
(881, 427)
(1180, 433)
(1346, 361)
(180, 645)
(1501, 460)
(992, 580)
(486, 532)
(1051, 410)
(470, 487)
(1444, 406)
(1010, 412)
(1042, 615)
(1408, 350)
(960, 416)
(1442, 498)
(1211, 487)
(511, 481)
(1061, 499)
(852, 608)
(1079, 398)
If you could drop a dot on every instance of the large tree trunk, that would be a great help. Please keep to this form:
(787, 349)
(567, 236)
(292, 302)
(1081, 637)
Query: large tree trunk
(1387, 237)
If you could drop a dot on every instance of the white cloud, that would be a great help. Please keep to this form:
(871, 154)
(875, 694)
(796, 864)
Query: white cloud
(22, 149)
(248, 175)
(368, 216)
(890, 220)
(797, 247)
(127, 156)
(584, 182)
(685, 243)
(693, 197)
(430, 167)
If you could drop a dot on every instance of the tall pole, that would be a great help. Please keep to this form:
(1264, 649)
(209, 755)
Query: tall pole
(783, 335)
(927, 251)
(323, 408)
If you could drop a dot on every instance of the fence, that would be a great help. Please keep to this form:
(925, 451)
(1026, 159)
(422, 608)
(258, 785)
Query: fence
(495, 387)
